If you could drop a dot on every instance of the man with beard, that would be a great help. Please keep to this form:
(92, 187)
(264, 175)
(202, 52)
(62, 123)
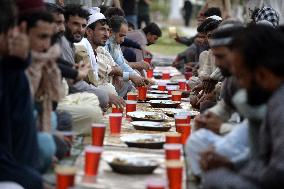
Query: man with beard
(65, 67)
(214, 122)
(219, 42)
(97, 35)
(76, 22)
(258, 67)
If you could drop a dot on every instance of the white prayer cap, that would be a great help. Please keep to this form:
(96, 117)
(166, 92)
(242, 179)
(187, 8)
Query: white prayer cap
(95, 15)
(218, 18)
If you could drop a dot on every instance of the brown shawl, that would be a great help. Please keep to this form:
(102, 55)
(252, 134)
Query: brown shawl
(46, 83)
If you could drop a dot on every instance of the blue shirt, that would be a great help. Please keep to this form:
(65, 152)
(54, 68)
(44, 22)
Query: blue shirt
(114, 49)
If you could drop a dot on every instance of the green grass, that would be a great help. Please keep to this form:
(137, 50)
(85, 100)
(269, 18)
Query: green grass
(166, 45)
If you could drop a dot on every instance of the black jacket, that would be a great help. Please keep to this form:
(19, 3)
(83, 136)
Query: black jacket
(18, 140)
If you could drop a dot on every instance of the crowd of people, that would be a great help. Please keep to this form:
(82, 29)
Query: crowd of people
(237, 85)
(61, 68)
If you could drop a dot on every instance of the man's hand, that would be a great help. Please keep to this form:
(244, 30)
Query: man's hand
(178, 38)
(209, 85)
(18, 42)
(137, 80)
(198, 88)
(193, 101)
(175, 63)
(213, 122)
(116, 100)
(83, 70)
(209, 160)
(116, 71)
(206, 97)
(144, 65)
(189, 66)
(146, 52)
(195, 70)
(199, 122)
(148, 82)
(208, 121)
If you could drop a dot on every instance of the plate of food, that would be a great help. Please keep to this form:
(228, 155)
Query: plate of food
(132, 165)
(158, 92)
(154, 87)
(172, 111)
(151, 141)
(157, 97)
(147, 116)
(151, 126)
(164, 103)
(158, 75)
(168, 82)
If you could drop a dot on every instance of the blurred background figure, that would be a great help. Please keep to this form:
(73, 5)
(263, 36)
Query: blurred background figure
(187, 11)
(130, 10)
(143, 12)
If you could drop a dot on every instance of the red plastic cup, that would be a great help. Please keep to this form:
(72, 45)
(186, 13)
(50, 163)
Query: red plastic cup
(132, 96)
(98, 134)
(181, 119)
(172, 151)
(142, 92)
(187, 75)
(162, 86)
(116, 109)
(156, 184)
(130, 105)
(68, 135)
(182, 85)
(92, 159)
(184, 130)
(166, 76)
(173, 138)
(188, 87)
(150, 73)
(174, 173)
(65, 176)
(176, 95)
(115, 120)
(148, 59)
(186, 114)
(188, 117)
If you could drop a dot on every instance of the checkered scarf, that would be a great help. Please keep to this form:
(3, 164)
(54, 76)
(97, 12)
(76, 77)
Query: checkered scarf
(267, 14)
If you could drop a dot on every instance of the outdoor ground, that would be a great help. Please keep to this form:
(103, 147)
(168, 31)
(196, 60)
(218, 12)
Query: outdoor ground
(168, 46)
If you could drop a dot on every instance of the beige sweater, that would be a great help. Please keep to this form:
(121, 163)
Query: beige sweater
(105, 63)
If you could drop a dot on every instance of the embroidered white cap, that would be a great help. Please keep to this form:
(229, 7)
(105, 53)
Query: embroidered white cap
(95, 15)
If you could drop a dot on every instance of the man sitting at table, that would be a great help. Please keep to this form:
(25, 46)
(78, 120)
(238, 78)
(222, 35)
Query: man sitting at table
(258, 66)
(145, 37)
(119, 28)
(18, 141)
(214, 121)
(97, 33)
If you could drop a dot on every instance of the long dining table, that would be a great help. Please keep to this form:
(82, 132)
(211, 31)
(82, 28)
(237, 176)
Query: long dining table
(115, 147)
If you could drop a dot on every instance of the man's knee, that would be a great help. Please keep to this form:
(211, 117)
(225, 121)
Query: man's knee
(10, 185)
(47, 150)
